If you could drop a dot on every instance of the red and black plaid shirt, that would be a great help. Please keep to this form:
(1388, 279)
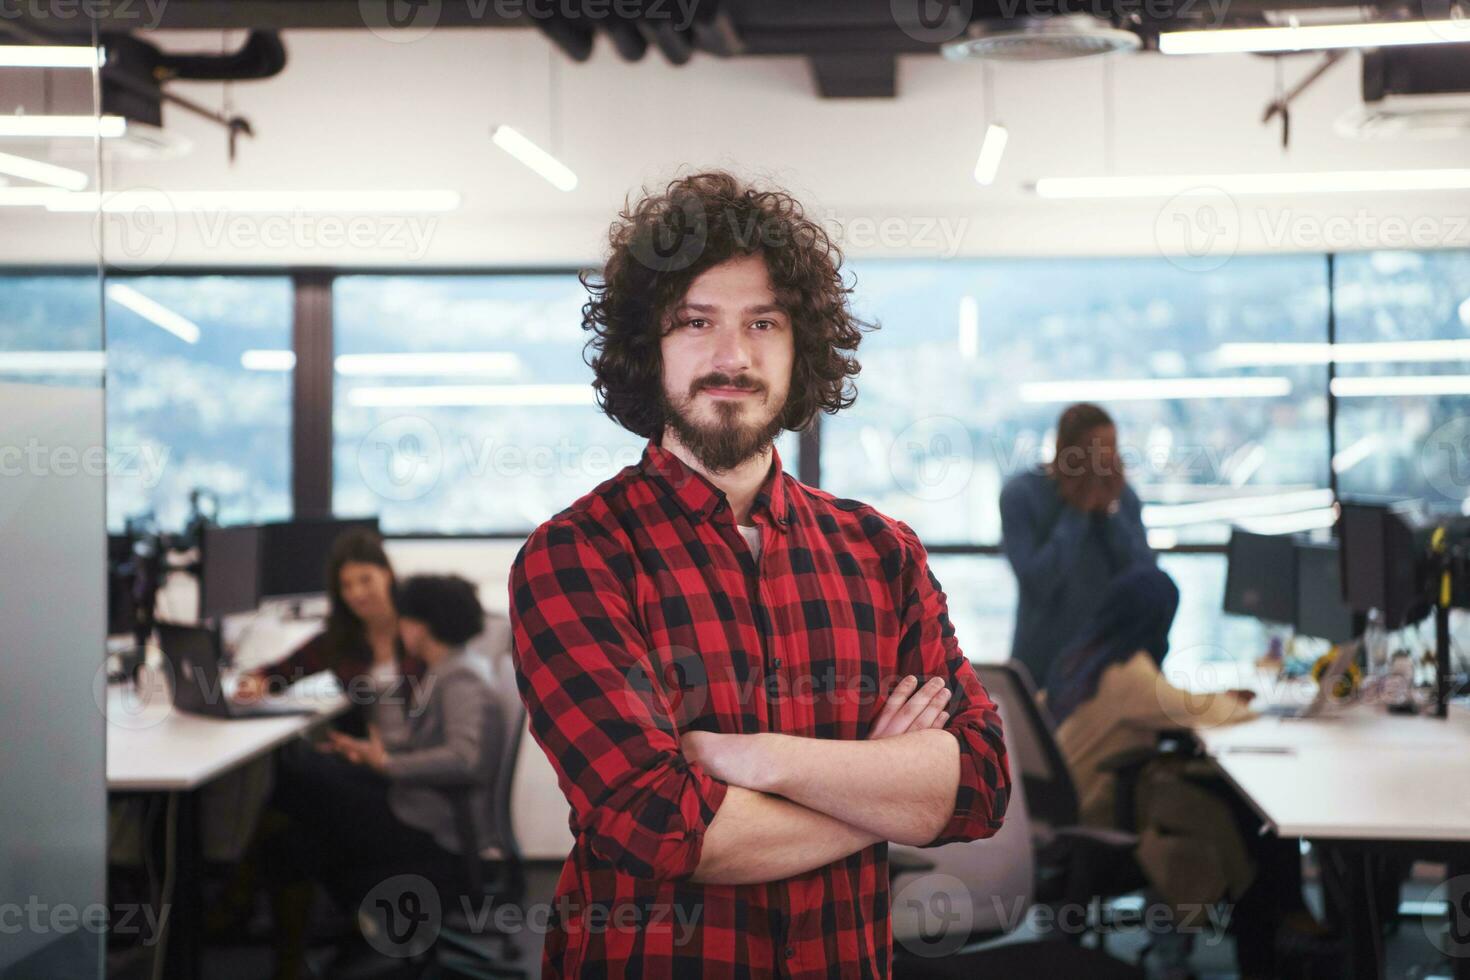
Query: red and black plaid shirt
(640, 613)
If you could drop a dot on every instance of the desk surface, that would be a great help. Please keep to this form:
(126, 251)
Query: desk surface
(1355, 773)
(152, 747)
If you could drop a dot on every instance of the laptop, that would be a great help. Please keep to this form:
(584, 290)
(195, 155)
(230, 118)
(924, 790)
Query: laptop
(1323, 698)
(193, 654)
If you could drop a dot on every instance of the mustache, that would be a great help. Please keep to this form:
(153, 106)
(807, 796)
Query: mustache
(717, 380)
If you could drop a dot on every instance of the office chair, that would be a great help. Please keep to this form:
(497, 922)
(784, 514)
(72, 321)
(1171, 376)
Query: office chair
(1001, 873)
(1075, 864)
(464, 947)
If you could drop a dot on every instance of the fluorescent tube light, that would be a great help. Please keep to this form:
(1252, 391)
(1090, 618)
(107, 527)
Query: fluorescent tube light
(154, 312)
(441, 396)
(260, 201)
(268, 360)
(50, 56)
(45, 127)
(1154, 389)
(558, 174)
(1313, 37)
(1321, 182)
(1404, 385)
(991, 151)
(497, 363)
(42, 173)
(1374, 352)
(52, 362)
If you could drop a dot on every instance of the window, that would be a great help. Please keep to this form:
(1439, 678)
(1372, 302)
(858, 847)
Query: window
(198, 396)
(961, 387)
(50, 330)
(464, 405)
(1403, 326)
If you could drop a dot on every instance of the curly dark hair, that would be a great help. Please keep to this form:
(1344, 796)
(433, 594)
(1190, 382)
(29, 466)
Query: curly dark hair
(447, 604)
(659, 246)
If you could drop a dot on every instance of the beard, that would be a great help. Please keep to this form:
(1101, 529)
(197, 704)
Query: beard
(728, 441)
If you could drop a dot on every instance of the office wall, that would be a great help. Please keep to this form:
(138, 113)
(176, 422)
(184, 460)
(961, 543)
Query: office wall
(53, 807)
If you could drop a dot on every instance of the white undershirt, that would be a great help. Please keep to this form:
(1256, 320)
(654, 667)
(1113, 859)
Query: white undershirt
(752, 537)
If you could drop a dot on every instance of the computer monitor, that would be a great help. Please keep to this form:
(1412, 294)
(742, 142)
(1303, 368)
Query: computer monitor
(1260, 580)
(122, 608)
(229, 570)
(293, 555)
(1381, 559)
(1321, 610)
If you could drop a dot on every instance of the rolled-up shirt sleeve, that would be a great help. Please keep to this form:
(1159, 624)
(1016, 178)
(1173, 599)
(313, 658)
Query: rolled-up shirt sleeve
(928, 647)
(597, 711)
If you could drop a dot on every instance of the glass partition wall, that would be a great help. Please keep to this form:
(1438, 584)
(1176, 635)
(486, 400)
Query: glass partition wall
(53, 466)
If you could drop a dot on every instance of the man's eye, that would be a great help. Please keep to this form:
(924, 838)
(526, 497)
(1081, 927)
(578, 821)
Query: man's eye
(696, 322)
(764, 324)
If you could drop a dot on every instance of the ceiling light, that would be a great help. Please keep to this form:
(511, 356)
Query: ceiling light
(1374, 352)
(1322, 182)
(1404, 385)
(558, 174)
(154, 312)
(497, 363)
(1313, 37)
(268, 360)
(50, 56)
(259, 201)
(1154, 389)
(42, 173)
(45, 127)
(991, 150)
(52, 362)
(447, 396)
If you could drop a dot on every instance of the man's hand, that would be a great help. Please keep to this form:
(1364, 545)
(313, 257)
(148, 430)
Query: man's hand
(911, 708)
(741, 759)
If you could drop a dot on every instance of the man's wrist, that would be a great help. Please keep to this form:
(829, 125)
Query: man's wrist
(767, 762)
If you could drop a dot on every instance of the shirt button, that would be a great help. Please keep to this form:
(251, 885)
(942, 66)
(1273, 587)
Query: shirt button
(790, 951)
(776, 663)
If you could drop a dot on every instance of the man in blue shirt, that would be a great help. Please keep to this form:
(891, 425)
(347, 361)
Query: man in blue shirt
(1067, 529)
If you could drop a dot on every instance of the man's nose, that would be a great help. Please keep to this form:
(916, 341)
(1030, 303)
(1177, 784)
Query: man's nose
(732, 351)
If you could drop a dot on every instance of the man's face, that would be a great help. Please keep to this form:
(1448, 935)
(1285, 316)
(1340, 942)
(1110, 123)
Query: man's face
(728, 351)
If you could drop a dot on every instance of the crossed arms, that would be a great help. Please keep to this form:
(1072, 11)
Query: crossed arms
(739, 809)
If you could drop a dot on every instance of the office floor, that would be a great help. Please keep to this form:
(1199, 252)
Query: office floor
(1411, 954)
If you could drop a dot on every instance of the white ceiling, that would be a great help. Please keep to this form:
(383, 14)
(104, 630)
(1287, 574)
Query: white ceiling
(352, 110)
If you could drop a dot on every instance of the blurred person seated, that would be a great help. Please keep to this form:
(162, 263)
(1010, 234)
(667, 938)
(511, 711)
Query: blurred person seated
(1199, 843)
(1067, 529)
(366, 809)
(361, 642)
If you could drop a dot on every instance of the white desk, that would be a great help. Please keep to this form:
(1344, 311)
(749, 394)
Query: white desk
(1356, 773)
(153, 748)
(1358, 781)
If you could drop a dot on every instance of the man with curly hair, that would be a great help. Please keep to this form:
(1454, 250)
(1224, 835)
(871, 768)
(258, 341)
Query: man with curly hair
(746, 686)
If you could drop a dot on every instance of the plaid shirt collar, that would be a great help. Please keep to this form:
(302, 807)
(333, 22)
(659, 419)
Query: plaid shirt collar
(702, 500)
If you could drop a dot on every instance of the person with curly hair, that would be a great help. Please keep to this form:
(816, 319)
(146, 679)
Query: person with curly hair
(746, 686)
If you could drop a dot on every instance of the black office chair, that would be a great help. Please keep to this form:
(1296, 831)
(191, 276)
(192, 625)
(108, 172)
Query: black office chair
(1076, 864)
